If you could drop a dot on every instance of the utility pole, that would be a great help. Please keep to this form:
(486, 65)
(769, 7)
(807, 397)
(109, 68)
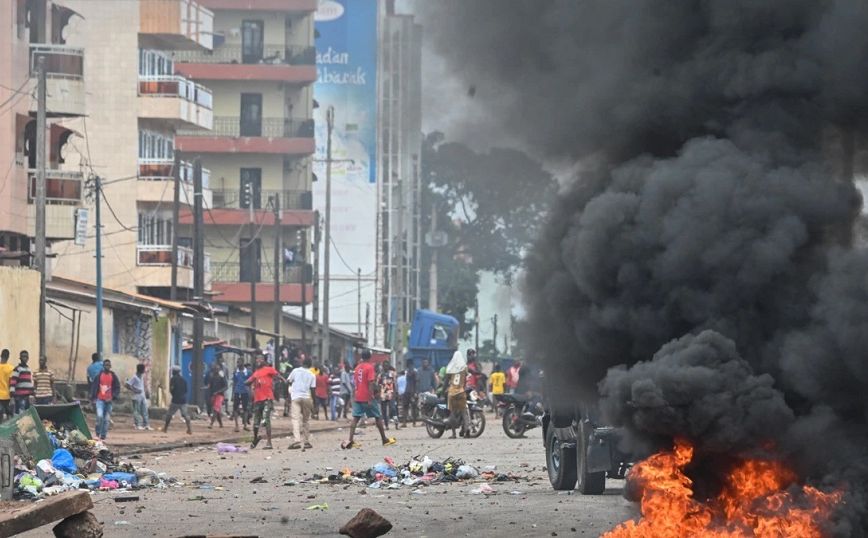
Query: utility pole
(317, 330)
(367, 320)
(359, 305)
(301, 239)
(494, 338)
(258, 260)
(176, 199)
(198, 281)
(432, 277)
(330, 124)
(40, 198)
(417, 213)
(277, 257)
(476, 343)
(98, 190)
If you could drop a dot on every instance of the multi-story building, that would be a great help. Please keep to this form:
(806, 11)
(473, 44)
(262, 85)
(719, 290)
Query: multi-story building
(399, 233)
(260, 71)
(33, 29)
(135, 103)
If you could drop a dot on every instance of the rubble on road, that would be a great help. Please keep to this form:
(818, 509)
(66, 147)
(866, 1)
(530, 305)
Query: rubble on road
(418, 472)
(366, 524)
(78, 463)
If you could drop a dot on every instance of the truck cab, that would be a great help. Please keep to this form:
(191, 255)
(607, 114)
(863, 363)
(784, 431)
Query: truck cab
(433, 336)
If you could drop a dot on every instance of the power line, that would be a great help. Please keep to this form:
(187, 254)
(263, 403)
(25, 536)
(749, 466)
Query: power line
(16, 92)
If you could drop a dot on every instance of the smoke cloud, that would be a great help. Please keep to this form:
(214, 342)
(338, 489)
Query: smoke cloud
(700, 274)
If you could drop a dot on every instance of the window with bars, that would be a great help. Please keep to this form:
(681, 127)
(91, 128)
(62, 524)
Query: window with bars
(155, 63)
(155, 229)
(155, 145)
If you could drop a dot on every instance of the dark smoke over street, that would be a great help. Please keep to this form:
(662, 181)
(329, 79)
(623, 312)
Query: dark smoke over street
(712, 224)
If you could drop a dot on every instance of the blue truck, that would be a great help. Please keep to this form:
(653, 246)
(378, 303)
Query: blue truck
(434, 337)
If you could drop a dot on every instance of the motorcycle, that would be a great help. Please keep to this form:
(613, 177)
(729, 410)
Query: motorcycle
(435, 414)
(520, 414)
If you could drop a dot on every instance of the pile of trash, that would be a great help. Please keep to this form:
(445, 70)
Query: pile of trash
(419, 471)
(79, 463)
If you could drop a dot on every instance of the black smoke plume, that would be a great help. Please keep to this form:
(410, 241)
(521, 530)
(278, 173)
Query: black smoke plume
(700, 274)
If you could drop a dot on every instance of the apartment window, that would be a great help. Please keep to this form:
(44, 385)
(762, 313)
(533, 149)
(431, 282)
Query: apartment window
(154, 145)
(155, 63)
(251, 114)
(155, 229)
(131, 334)
(250, 260)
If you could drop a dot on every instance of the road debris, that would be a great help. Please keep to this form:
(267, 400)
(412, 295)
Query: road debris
(366, 524)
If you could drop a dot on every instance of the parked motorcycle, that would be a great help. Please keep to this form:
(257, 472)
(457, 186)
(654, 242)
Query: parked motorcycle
(435, 414)
(519, 414)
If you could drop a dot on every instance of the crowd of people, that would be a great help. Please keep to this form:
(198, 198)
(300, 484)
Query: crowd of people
(311, 391)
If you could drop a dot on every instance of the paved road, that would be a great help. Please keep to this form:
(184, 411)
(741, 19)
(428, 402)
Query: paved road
(274, 509)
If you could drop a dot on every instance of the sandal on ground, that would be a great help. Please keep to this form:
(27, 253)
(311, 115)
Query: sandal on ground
(390, 441)
(308, 445)
(295, 446)
(346, 446)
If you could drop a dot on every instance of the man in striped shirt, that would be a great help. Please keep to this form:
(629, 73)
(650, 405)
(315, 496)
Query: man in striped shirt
(43, 383)
(21, 383)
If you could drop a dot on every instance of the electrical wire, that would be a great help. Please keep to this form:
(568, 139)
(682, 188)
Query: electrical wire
(17, 92)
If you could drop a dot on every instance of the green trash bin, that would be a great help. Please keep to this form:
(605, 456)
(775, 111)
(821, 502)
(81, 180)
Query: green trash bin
(28, 436)
(66, 413)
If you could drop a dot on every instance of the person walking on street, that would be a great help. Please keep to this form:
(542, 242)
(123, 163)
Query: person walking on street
(241, 396)
(322, 393)
(94, 369)
(497, 382)
(301, 383)
(456, 380)
(346, 387)
(365, 401)
(217, 393)
(178, 390)
(409, 397)
(427, 379)
(262, 383)
(7, 410)
(388, 399)
(21, 383)
(512, 376)
(105, 389)
(141, 395)
(334, 393)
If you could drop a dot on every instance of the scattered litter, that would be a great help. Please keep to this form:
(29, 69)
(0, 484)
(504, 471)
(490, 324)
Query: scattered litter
(466, 471)
(516, 492)
(227, 448)
(322, 507)
(484, 489)
(259, 480)
(366, 524)
(122, 522)
(127, 499)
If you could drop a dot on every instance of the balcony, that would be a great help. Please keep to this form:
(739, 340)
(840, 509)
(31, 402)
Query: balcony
(156, 177)
(64, 78)
(63, 191)
(176, 24)
(231, 283)
(282, 6)
(235, 199)
(175, 99)
(281, 63)
(282, 136)
(230, 209)
(158, 260)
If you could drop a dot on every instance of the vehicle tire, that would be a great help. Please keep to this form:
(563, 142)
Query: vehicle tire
(477, 423)
(561, 462)
(588, 483)
(510, 428)
(433, 431)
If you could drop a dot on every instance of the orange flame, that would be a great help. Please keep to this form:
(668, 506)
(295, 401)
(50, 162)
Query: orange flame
(758, 500)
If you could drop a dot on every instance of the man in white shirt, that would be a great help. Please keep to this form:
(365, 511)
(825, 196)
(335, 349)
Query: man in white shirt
(301, 381)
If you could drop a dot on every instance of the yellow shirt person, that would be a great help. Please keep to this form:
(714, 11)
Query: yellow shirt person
(498, 382)
(5, 375)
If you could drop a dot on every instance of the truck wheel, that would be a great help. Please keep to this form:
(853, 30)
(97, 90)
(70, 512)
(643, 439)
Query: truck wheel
(588, 483)
(511, 427)
(477, 423)
(561, 462)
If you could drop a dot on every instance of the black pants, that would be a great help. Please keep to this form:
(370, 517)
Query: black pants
(241, 407)
(409, 407)
(7, 410)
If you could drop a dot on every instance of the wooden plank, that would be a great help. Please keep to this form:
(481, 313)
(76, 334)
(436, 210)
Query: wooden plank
(30, 515)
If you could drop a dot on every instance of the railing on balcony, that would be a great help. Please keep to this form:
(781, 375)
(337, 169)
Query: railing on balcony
(234, 54)
(175, 86)
(162, 255)
(236, 199)
(162, 170)
(60, 61)
(234, 127)
(61, 187)
(241, 272)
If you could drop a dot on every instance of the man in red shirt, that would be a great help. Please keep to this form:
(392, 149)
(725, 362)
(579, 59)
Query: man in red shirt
(365, 404)
(322, 394)
(262, 383)
(106, 388)
(512, 375)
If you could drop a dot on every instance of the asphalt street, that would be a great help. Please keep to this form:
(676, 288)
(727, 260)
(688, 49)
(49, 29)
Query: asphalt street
(218, 497)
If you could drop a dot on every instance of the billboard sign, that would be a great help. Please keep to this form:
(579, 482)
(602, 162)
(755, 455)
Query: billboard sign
(346, 57)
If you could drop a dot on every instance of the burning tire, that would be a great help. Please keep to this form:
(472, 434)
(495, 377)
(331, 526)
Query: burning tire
(561, 462)
(588, 483)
